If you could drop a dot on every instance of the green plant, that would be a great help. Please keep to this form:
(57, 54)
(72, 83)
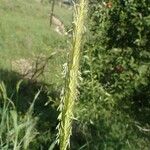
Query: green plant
(116, 76)
(70, 92)
(16, 131)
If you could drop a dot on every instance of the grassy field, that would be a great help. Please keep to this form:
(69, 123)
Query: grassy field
(25, 32)
(25, 36)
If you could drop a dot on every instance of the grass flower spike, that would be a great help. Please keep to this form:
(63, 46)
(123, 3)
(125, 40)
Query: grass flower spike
(70, 92)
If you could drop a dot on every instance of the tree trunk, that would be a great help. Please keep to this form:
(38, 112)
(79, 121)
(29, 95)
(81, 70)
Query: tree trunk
(52, 11)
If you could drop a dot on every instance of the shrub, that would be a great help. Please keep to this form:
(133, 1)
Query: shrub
(115, 69)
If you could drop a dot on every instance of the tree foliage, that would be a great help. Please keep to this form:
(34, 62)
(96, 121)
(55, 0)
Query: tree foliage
(116, 71)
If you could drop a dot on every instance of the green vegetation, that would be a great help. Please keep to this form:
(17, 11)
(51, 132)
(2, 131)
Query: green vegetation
(16, 131)
(38, 67)
(25, 39)
(70, 91)
(116, 76)
(25, 31)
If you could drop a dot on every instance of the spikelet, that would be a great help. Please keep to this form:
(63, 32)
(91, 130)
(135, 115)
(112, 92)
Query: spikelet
(69, 93)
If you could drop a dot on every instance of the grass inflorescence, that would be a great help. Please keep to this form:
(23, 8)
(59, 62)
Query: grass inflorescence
(70, 92)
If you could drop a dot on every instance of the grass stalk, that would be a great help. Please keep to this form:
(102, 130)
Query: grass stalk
(70, 92)
(15, 131)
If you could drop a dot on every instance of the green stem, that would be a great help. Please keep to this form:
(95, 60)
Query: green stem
(72, 78)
